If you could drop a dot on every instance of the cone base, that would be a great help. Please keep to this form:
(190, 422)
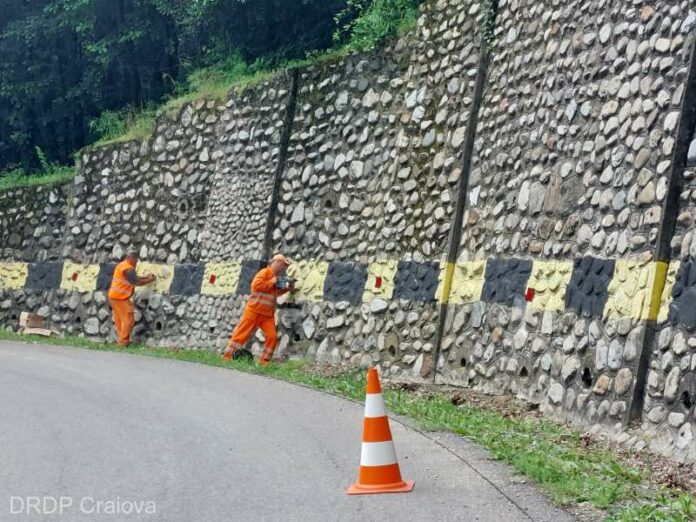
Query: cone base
(400, 487)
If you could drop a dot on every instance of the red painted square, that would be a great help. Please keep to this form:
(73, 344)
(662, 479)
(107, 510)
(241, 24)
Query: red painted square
(74, 276)
(378, 282)
(530, 294)
(212, 279)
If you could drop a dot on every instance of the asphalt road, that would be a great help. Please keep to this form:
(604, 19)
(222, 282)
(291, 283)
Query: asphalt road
(115, 433)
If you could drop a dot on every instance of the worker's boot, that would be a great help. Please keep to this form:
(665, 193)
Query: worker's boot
(229, 353)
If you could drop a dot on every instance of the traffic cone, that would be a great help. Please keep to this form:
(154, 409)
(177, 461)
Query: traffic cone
(379, 468)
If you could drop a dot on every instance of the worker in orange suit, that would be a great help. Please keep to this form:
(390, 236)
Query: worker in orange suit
(122, 287)
(260, 310)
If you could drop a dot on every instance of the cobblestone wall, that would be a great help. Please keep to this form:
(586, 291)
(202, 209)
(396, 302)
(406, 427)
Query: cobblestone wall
(670, 392)
(370, 190)
(32, 221)
(357, 167)
(574, 148)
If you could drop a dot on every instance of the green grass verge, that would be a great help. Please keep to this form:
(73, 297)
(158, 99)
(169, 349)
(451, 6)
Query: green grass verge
(56, 175)
(554, 456)
(129, 124)
(215, 83)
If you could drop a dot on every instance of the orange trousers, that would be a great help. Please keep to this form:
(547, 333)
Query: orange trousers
(248, 324)
(124, 319)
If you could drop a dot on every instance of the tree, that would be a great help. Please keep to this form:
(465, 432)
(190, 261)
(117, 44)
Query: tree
(66, 61)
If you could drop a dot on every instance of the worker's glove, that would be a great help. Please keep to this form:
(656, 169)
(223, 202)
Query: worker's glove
(285, 283)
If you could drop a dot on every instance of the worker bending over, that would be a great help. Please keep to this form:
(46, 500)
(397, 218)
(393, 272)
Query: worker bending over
(122, 287)
(260, 310)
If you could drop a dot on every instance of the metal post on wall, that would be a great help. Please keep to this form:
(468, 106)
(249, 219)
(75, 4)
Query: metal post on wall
(455, 234)
(665, 234)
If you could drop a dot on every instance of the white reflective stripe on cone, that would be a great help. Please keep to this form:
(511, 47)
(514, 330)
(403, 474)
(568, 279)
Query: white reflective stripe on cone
(374, 405)
(378, 454)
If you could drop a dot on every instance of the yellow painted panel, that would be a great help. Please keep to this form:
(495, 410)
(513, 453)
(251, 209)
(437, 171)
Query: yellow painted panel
(444, 278)
(467, 282)
(549, 280)
(79, 278)
(386, 271)
(226, 278)
(13, 275)
(632, 290)
(164, 273)
(666, 298)
(309, 276)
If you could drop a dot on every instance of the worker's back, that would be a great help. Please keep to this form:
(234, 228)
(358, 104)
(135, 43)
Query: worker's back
(263, 293)
(121, 288)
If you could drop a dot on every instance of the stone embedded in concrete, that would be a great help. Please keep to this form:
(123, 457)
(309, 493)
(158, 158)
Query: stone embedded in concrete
(506, 281)
(345, 282)
(588, 288)
(416, 281)
(44, 276)
(188, 279)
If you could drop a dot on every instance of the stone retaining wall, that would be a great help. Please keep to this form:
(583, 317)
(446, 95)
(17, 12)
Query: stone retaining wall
(559, 145)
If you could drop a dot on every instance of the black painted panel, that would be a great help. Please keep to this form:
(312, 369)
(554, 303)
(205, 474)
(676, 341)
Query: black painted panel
(44, 276)
(249, 270)
(587, 291)
(345, 282)
(106, 273)
(682, 309)
(506, 281)
(187, 279)
(416, 281)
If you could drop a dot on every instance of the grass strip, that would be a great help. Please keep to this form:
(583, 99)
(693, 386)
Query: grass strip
(554, 456)
(17, 178)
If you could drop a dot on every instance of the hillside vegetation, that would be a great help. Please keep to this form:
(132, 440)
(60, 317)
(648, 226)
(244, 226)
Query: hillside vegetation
(78, 72)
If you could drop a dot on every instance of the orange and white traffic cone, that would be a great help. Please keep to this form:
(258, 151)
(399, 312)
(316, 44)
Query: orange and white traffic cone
(379, 468)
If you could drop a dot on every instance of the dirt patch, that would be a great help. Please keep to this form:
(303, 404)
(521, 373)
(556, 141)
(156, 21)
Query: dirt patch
(503, 405)
(330, 370)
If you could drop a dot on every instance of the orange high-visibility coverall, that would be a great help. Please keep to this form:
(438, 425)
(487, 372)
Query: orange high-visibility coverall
(259, 313)
(120, 292)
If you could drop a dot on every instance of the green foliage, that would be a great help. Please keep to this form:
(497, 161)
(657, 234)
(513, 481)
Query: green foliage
(490, 8)
(216, 81)
(49, 173)
(53, 174)
(365, 24)
(76, 72)
(129, 124)
(65, 62)
(43, 162)
(107, 125)
(669, 507)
